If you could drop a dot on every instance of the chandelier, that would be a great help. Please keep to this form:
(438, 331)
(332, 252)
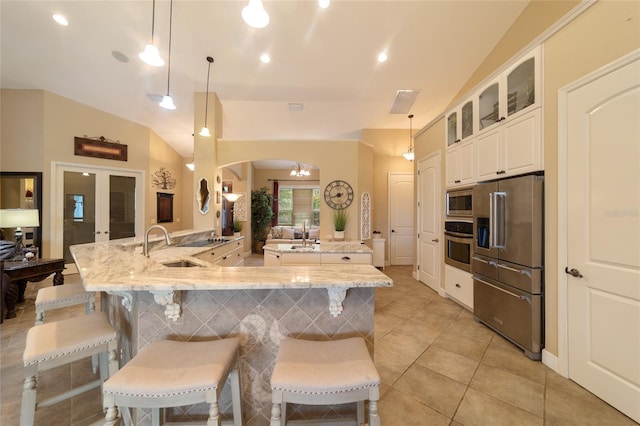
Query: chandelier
(299, 170)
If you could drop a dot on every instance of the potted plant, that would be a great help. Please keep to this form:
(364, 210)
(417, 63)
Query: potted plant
(237, 228)
(261, 214)
(340, 218)
(376, 234)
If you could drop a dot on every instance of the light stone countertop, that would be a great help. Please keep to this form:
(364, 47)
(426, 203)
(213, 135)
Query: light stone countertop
(119, 266)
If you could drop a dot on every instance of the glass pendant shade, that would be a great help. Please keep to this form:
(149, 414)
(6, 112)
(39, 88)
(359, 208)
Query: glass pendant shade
(151, 56)
(254, 14)
(409, 155)
(167, 102)
(205, 132)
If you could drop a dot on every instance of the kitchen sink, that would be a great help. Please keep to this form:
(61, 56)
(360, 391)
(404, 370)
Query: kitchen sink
(302, 248)
(181, 264)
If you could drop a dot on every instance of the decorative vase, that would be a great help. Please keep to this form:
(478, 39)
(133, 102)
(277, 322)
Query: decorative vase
(338, 235)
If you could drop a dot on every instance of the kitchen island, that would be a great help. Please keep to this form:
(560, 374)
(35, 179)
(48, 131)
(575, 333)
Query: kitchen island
(325, 253)
(176, 294)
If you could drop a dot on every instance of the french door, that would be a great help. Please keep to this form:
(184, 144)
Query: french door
(94, 204)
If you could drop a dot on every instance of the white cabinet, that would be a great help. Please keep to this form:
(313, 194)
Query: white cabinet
(506, 126)
(229, 254)
(512, 148)
(460, 164)
(293, 259)
(458, 285)
(345, 258)
(460, 123)
(271, 258)
(378, 252)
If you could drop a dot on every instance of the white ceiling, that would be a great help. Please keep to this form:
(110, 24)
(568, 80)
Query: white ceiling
(323, 58)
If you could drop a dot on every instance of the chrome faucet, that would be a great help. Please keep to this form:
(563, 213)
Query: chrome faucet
(304, 233)
(145, 245)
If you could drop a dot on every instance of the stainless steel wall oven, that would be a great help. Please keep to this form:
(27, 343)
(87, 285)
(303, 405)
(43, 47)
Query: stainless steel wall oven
(458, 249)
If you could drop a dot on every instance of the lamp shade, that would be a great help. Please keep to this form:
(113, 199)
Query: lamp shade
(16, 218)
(255, 15)
(230, 196)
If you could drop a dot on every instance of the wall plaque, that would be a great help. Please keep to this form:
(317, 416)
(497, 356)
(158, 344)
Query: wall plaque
(100, 148)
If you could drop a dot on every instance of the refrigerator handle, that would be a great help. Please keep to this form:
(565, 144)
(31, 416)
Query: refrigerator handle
(492, 234)
(500, 219)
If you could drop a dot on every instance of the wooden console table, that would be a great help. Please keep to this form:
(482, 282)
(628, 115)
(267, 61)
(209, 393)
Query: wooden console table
(15, 276)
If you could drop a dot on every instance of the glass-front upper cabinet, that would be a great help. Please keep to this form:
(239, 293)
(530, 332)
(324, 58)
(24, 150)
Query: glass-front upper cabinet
(489, 106)
(517, 88)
(460, 123)
(521, 87)
(452, 128)
(466, 118)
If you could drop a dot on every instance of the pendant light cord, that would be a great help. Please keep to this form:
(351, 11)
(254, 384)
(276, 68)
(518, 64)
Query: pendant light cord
(206, 103)
(169, 60)
(410, 132)
(153, 20)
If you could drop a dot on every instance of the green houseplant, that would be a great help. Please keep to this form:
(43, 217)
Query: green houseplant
(261, 214)
(237, 226)
(340, 218)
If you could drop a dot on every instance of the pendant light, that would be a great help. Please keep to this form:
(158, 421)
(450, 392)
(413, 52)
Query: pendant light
(254, 14)
(191, 165)
(167, 102)
(409, 155)
(150, 55)
(205, 130)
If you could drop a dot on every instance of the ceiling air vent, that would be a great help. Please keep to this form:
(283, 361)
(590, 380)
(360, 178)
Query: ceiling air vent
(403, 101)
(296, 106)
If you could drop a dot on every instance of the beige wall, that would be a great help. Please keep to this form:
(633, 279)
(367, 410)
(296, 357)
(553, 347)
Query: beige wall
(335, 159)
(163, 155)
(44, 125)
(388, 146)
(602, 33)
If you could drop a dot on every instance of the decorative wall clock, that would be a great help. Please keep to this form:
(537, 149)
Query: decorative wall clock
(338, 194)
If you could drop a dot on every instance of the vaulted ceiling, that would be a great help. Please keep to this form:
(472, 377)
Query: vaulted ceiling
(324, 59)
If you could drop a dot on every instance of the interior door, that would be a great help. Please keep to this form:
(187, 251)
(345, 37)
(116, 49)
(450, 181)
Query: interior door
(430, 242)
(603, 255)
(95, 205)
(401, 241)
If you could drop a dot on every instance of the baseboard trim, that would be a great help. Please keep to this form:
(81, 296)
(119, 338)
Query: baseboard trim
(550, 360)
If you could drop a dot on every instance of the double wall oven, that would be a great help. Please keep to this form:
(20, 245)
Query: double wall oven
(458, 229)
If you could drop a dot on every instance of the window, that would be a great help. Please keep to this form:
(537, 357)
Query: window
(298, 205)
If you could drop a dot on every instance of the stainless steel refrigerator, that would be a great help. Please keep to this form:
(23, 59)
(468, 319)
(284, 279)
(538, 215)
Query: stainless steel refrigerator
(508, 259)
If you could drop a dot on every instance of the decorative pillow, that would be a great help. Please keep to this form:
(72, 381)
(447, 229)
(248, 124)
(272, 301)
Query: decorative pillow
(287, 233)
(276, 232)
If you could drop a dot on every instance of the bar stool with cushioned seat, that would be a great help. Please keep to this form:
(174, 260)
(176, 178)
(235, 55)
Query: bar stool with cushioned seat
(323, 373)
(62, 342)
(167, 373)
(62, 296)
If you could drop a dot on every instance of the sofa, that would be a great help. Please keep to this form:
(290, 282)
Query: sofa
(291, 234)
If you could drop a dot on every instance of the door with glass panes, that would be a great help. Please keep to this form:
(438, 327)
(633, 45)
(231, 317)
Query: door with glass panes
(93, 205)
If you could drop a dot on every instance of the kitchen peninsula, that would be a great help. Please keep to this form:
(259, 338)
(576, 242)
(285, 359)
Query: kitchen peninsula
(325, 253)
(176, 294)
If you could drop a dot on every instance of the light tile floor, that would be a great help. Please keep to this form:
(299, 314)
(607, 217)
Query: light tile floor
(438, 367)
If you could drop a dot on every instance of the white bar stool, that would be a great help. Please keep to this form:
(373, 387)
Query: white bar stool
(167, 373)
(62, 296)
(322, 373)
(63, 342)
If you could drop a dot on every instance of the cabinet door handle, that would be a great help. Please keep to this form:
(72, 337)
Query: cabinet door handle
(224, 257)
(346, 258)
(500, 172)
(457, 181)
(458, 285)
(213, 253)
(278, 257)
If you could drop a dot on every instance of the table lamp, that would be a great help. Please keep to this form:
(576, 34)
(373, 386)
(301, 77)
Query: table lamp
(18, 218)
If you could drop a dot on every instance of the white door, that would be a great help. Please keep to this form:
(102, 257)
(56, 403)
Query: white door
(401, 207)
(603, 251)
(429, 234)
(92, 205)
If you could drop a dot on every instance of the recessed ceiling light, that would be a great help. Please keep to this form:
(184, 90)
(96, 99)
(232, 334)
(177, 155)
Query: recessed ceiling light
(265, 58)
(60, 19)
(296, 106)
(323, 3)
(382, 57)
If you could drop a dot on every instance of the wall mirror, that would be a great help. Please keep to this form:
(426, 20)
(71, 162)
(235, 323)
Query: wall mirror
(203, 196)
(22, 190)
